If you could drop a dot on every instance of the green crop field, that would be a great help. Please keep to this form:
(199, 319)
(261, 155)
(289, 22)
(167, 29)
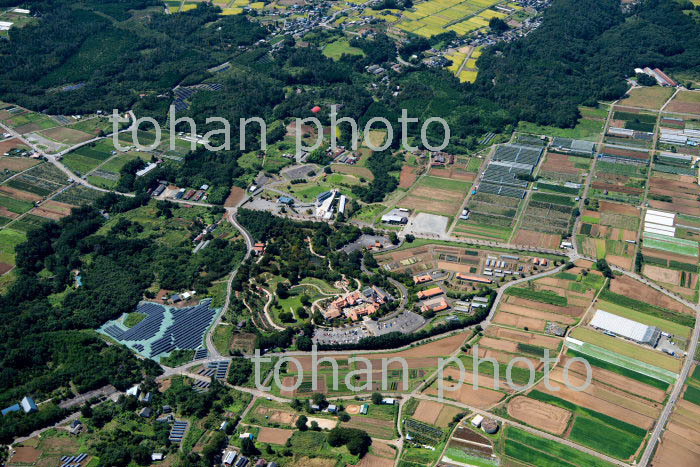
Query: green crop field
(556, 449)
(544, 296)
(620, 443)
(647, 362)
(585, 129)
(692, 394)
(553, 199)
(598, 430)
(17, 206)
(444, 183)
(671, 244)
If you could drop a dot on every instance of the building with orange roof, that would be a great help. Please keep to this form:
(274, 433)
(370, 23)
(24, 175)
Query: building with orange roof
(439, 306)
(259, 248)
(435, 291)
(470, 278)
(422, 278)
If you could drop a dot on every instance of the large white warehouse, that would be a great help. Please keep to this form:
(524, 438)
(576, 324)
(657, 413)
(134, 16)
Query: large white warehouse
(627, 328)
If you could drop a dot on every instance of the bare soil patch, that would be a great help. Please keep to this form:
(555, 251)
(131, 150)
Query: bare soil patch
(9, 144)
(481, 398)
(278, 416)
(613, 379)
(525, 337)
(626, 209)
(17, 164)
(620, 261)
(536, 239)
(236, 196)
(352, 409)
(408, 176)
(274, 435)
(659, 274)
(428, 411)
(18, 194)
(529, 312)
(25, 455)
(627, 286)
(66, 135)
(370, 460)
(565, 310)
(540, 415)
(5, 268)
(519, 321)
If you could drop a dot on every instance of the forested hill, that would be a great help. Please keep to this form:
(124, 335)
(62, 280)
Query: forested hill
(114, 53)
(582, 52)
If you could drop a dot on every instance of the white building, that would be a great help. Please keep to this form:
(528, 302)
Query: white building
(625, 327)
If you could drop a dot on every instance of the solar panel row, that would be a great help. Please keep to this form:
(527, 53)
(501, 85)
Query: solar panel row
(187, 330)
(200, 354)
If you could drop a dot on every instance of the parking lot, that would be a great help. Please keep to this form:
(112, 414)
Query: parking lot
(405, 322)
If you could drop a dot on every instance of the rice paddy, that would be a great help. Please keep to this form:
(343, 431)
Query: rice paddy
(434, 17)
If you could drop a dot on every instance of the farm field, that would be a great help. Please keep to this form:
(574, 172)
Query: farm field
(564, 167)
(435, 195)
(433, 17)
(652, 98)
(609, 230)
(627, 349)
(492, 217)
(525, 447)
(685, 102)
(679, 444)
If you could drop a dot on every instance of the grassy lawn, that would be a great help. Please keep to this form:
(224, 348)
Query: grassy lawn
(585, 129)
(369, 213)
(444, 183)
(336, 49)
(132, 319)
(222, 338)
(648, 97)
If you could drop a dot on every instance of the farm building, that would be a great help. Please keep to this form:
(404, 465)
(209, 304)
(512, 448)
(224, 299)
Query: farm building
(422, 278)
(626, 328)
(470, 278)
(574, 146)
(10, 409)
(394, 219)
(28, 405)
(285, 200)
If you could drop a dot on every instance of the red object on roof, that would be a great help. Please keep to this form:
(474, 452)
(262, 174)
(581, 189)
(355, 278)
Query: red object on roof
(316, 109)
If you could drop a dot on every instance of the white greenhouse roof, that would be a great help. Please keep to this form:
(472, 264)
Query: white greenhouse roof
(622, 326)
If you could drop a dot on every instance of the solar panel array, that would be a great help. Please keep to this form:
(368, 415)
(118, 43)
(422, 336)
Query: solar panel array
(200, 354)
(177, 432)
(187, 330)
(182, 94)
(220, 368)
(201, 386)
(73, 461)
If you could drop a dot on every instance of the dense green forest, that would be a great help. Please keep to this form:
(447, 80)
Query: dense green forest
(46, 337)
(581, 54)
